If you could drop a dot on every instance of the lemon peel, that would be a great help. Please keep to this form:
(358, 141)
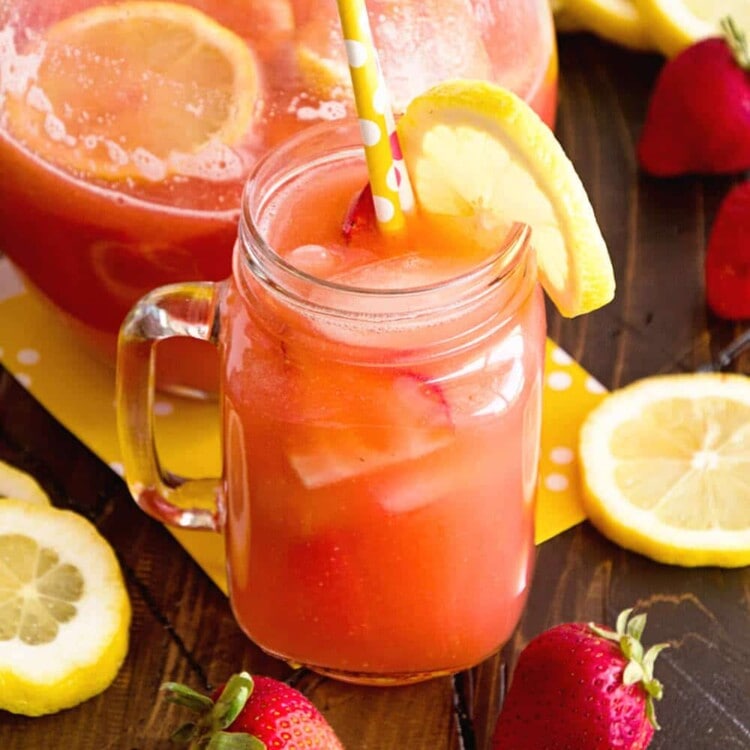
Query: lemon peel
(618, 21)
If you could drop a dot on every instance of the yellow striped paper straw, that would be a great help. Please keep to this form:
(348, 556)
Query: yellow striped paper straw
(391, 189)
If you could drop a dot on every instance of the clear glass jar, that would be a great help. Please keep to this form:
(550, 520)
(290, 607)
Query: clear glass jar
(380, 444)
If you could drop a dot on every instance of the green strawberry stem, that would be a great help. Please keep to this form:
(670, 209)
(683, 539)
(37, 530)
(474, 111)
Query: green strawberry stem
(737, 41)
(640, 666)
(207, 733)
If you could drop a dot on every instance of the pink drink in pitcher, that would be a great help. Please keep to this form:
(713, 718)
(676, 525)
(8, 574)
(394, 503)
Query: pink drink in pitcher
(122, 166)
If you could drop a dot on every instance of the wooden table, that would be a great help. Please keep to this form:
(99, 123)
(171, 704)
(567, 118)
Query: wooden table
(182, 627)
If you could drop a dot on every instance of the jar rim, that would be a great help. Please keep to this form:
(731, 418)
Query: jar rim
(297, 285)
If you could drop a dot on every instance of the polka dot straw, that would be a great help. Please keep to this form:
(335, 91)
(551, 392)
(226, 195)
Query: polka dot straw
(391, 189)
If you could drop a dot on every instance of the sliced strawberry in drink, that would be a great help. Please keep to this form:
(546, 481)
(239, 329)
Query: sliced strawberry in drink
(350, 428)
(360, 214)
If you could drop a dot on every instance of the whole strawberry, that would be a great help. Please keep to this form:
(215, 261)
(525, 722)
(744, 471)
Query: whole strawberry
(727, 267)
(698, 117)
(251, 713)
(582, 687)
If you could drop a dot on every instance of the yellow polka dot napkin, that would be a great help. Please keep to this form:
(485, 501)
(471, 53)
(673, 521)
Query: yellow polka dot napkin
(79, 392)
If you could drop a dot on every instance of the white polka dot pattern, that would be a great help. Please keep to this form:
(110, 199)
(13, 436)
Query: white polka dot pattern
(559, 381)
(594, 386)
(568, 397)
(356, 53)
(560, 356)
(370, 132)
(392, 196)
(380, 99)
(562, 455)
(556, 482)
(28, 356)
(163, 408)
(384, 209)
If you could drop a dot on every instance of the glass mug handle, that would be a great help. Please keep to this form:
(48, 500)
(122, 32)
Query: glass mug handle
(189, 310)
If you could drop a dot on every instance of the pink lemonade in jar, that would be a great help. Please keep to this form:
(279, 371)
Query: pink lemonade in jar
(122, 166)
(381, 445)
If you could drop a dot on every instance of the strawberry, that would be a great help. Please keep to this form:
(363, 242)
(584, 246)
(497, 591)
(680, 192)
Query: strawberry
(360, 214)
(582, 686)
(251, 713)
(728, 257)
(698, 117)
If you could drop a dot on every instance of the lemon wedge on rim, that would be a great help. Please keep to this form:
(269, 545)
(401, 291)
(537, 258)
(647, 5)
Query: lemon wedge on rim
(478, 151)
(133, 90)
(64, 609)
(676, 24)
(617, 21)
(666, 468)
(17, 484)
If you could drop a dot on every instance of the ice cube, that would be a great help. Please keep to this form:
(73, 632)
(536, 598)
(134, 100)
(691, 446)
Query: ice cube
(317, 260)
(376, 422)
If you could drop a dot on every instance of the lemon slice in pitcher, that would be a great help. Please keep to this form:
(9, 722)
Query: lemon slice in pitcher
(64, 609)
(116, 90)
(476, 151)
(666, 468)
(18, 484)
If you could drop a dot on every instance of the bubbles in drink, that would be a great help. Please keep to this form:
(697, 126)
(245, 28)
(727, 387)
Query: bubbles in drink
(148, 165)
(216, 162)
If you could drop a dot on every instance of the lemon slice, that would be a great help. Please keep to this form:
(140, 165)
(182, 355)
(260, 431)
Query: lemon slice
(666, 468)
(134, 90)
(20, 485)
(64, 610)
(617, 21)
(477, 151)
(676, 24)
